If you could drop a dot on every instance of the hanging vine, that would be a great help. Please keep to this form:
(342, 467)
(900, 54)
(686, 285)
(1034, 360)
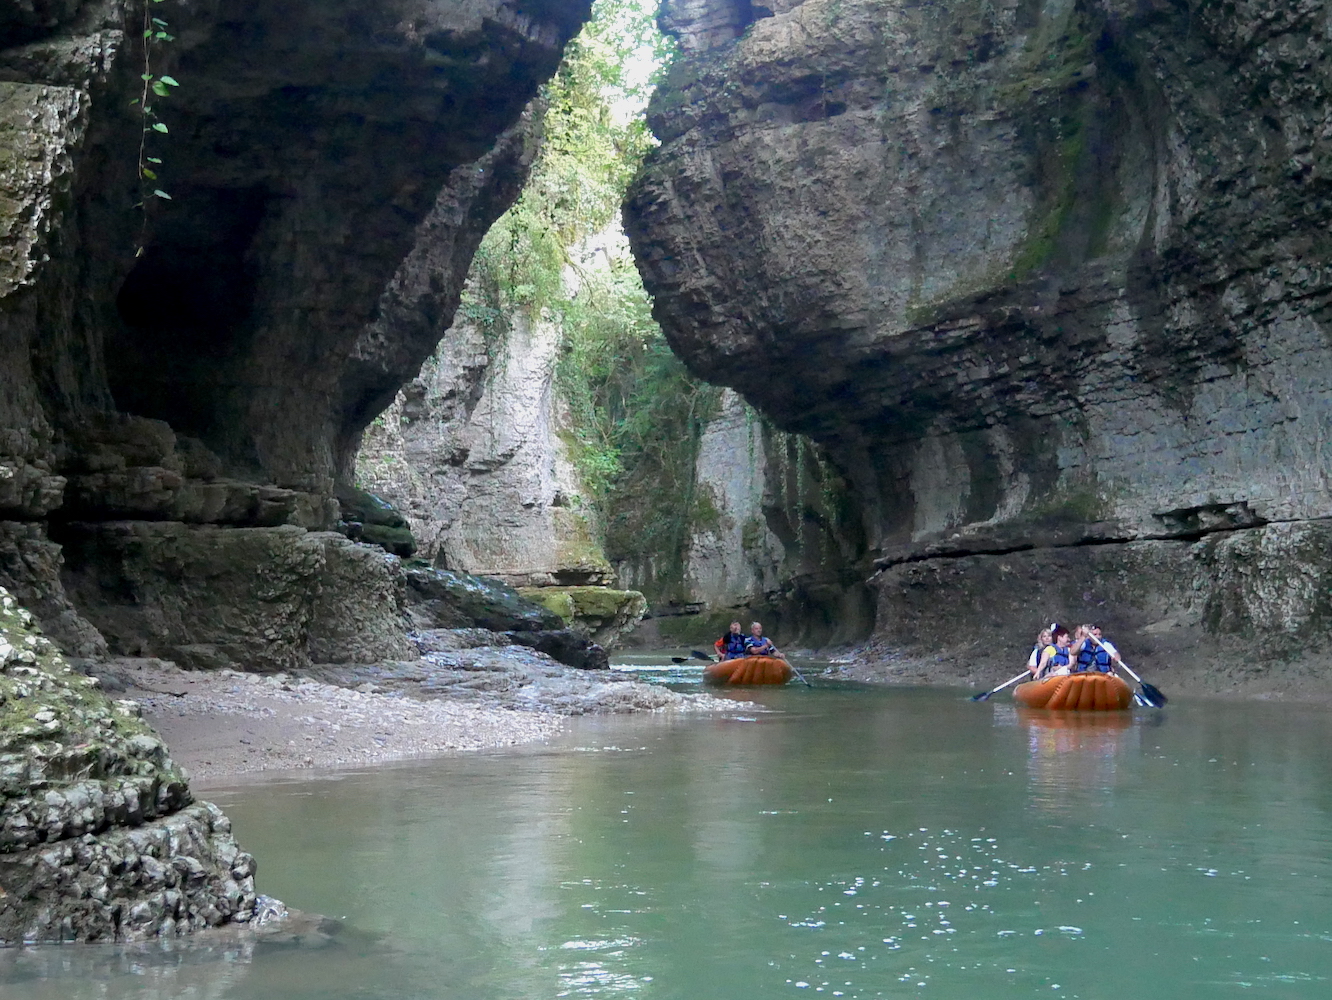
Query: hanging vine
(155, 85)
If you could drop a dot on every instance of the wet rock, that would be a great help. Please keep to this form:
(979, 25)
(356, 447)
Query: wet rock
(439, 598)
(571, 647)
(368, 518)
(511, 677)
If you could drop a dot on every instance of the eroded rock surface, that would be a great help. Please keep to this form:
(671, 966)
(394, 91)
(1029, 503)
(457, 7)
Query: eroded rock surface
(100, 838)
(181, 386)
(1041, 278)
(475, 452)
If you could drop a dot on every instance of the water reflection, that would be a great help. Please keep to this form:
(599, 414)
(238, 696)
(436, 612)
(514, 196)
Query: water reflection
(1071, 754)
(858, 844)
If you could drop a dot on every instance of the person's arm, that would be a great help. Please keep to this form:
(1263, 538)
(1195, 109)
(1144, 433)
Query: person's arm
(1044, 665)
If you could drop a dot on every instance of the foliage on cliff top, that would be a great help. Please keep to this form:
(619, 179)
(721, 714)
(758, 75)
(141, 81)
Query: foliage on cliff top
(634, 414)
(594, 140)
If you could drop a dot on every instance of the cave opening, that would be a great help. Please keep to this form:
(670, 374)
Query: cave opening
(185, 310)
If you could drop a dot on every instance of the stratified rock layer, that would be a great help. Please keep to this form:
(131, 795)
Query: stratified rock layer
(186, 378)
(100, 838)
(1039, 276)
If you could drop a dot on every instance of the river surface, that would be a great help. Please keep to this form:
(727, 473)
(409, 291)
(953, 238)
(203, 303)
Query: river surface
(849, 843)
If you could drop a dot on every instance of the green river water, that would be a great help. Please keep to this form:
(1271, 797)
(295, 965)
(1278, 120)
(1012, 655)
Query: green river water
(853, 843)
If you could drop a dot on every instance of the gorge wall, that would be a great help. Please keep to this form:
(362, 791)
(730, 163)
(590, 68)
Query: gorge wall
(182, 384)
(1048, 281)
(767, 533)
(196, 323)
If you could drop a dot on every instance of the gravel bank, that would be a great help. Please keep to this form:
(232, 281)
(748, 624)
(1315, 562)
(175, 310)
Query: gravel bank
(225, 723)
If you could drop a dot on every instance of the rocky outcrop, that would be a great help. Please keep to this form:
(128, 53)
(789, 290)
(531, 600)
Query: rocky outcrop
(604, 614)
(1046, 280)
(183, 381)
(100, 838)
(475, 451)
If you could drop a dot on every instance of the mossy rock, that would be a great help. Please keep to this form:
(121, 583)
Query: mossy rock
(368, 518)
(605, 613)
(398, 541)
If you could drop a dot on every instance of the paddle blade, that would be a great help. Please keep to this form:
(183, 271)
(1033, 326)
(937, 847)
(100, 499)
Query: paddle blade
(679, 659)
(699, 655)
(1153, 695)
(982, 696)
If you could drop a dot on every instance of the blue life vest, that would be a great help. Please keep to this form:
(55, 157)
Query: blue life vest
(758, 647)
(1086, 657)
(734, 645)
(1102, 660)
(1060, 658)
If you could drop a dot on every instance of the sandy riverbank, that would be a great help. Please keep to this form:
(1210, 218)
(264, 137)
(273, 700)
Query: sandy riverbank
(218, 725)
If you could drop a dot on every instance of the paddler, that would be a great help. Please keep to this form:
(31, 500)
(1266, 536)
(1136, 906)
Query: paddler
(758, 644)
(1057, 658)
(732, 645)
(1106, 655)
(1043, 638)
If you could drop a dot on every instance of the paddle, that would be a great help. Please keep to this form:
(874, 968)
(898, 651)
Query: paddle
(1149, 693)
(985, 695)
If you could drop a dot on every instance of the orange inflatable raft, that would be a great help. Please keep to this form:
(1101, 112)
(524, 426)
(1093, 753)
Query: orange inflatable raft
(1078, 692)
(749, 670)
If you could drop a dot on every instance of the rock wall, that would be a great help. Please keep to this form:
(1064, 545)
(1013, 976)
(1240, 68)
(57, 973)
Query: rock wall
(1047, 280)
(100, 838)
(182, 383)
(474, 451)
(768, 537)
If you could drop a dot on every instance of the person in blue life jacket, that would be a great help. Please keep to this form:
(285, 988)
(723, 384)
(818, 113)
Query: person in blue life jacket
(1105, 657)
(1083, 650)
(1043, 638)
(731, 646)
(759, 644)
(1057, 658)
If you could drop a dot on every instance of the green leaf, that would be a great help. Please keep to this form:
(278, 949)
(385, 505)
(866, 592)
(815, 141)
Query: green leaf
(153, 159)
(160, 88)
(161, 194)
(159, 127)
(149, 174)
(145, 76)
(170, 81)
(159, 22)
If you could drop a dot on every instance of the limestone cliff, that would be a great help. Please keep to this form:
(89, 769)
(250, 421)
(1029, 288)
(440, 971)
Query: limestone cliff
(473, 452)
(767, 534)
(1046, 278)
(182, 383)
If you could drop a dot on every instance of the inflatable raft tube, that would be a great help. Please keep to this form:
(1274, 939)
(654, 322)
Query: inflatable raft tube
(1076, 692)
(749, 670)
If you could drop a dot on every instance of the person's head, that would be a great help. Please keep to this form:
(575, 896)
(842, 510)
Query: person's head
(755, 629)
(1094, 631)
(1045, 637)
(735, 628)
(1061, 637)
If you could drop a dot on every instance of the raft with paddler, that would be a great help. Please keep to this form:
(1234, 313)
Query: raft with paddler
(746, 660)
(1077, 672)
